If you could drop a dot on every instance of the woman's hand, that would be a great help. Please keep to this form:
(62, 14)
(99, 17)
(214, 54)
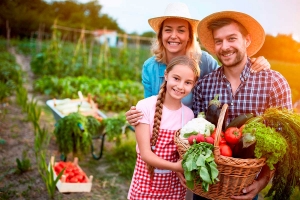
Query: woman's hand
(259, 64)
(133, 116)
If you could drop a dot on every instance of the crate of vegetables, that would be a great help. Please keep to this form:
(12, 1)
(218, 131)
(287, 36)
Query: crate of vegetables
(208, 172)
(73, 179)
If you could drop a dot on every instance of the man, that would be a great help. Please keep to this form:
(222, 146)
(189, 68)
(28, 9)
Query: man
(233, 37)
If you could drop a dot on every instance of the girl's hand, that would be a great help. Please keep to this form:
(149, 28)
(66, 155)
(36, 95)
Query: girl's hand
(133, 116)
(181, 179)
(178, 166)
(259, 64)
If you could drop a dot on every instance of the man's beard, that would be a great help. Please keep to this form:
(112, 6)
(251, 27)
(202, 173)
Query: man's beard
(239, 57)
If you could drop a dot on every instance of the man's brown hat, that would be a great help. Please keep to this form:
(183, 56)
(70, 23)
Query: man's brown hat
(255, 30)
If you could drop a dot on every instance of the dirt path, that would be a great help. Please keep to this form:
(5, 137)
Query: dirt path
(19, 137)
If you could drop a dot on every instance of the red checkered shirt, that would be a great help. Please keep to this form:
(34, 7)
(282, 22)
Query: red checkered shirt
(257, 92)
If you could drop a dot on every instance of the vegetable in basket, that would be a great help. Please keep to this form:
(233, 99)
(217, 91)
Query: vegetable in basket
(287, 174)
(213, 111)
(199, 166)
(269, 143)
(195, 126)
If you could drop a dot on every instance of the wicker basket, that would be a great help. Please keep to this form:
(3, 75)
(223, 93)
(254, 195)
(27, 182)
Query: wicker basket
(234, 173)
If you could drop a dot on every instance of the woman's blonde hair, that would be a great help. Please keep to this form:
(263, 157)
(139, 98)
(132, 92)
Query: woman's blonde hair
(192, 48)
(179, 60)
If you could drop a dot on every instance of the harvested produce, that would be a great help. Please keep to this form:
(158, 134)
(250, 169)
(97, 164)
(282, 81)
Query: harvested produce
(287, 174)
(195, 126)
(269, 143)
(72, 173)
(232, 135)
(245, 147)
(225, 150)
(222, 139)
(239, 120)
(213, 111)
(74, 133)
(199, 166)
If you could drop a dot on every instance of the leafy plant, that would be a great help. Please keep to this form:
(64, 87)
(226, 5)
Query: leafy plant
(113, 95)
(114, 127)
(24, 164)
(50, 181)
(287, 173)
(123, 157)
(93, 125)
(199, 166)
(41, 140)
(10, 76)
(73, 133)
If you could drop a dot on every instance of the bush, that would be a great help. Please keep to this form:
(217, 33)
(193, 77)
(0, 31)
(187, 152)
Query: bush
(123, 157)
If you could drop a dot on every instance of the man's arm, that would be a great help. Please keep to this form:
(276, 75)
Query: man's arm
(280, 95)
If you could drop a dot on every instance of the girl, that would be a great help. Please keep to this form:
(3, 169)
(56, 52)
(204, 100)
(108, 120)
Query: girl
(157, 158)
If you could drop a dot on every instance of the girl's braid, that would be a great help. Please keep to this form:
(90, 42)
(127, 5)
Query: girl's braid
(157, 120)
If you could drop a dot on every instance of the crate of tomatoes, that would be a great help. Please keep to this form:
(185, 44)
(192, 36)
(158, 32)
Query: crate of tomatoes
(73, 179)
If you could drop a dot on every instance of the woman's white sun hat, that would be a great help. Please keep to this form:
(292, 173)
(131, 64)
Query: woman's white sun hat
(174, 10)
(255, 30)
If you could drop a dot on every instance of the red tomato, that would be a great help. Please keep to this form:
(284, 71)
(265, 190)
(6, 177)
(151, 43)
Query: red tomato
(73, 180)
(213, 135)
(200, 138)
(57, 169)
(62, 164)
(225, 150)
(222, 139)
(232, 135)
(192, 139)
(80, 177)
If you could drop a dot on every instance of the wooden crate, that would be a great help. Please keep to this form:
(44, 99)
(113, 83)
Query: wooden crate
(64, 187)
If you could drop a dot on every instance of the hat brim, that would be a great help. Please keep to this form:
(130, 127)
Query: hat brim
(156, 22)
(255, 30)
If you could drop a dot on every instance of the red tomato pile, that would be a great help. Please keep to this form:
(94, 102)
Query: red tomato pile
(228, 139)
(73, 173)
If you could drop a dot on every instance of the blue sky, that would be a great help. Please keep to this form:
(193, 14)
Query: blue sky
(276, 16)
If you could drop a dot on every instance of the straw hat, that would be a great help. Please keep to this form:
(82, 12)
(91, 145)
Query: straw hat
(256, 31)
(174, 10)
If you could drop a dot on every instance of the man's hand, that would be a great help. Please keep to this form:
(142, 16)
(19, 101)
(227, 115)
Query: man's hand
(249, 192)
(262, 181)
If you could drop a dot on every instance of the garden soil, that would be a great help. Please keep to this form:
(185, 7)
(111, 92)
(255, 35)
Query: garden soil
(17, 136)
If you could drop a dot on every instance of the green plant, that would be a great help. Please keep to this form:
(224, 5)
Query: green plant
(72, 134)
(114, 127)
(10, 76)
(122, 158)
(24, 164)
(41, 140)
(113, 95)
